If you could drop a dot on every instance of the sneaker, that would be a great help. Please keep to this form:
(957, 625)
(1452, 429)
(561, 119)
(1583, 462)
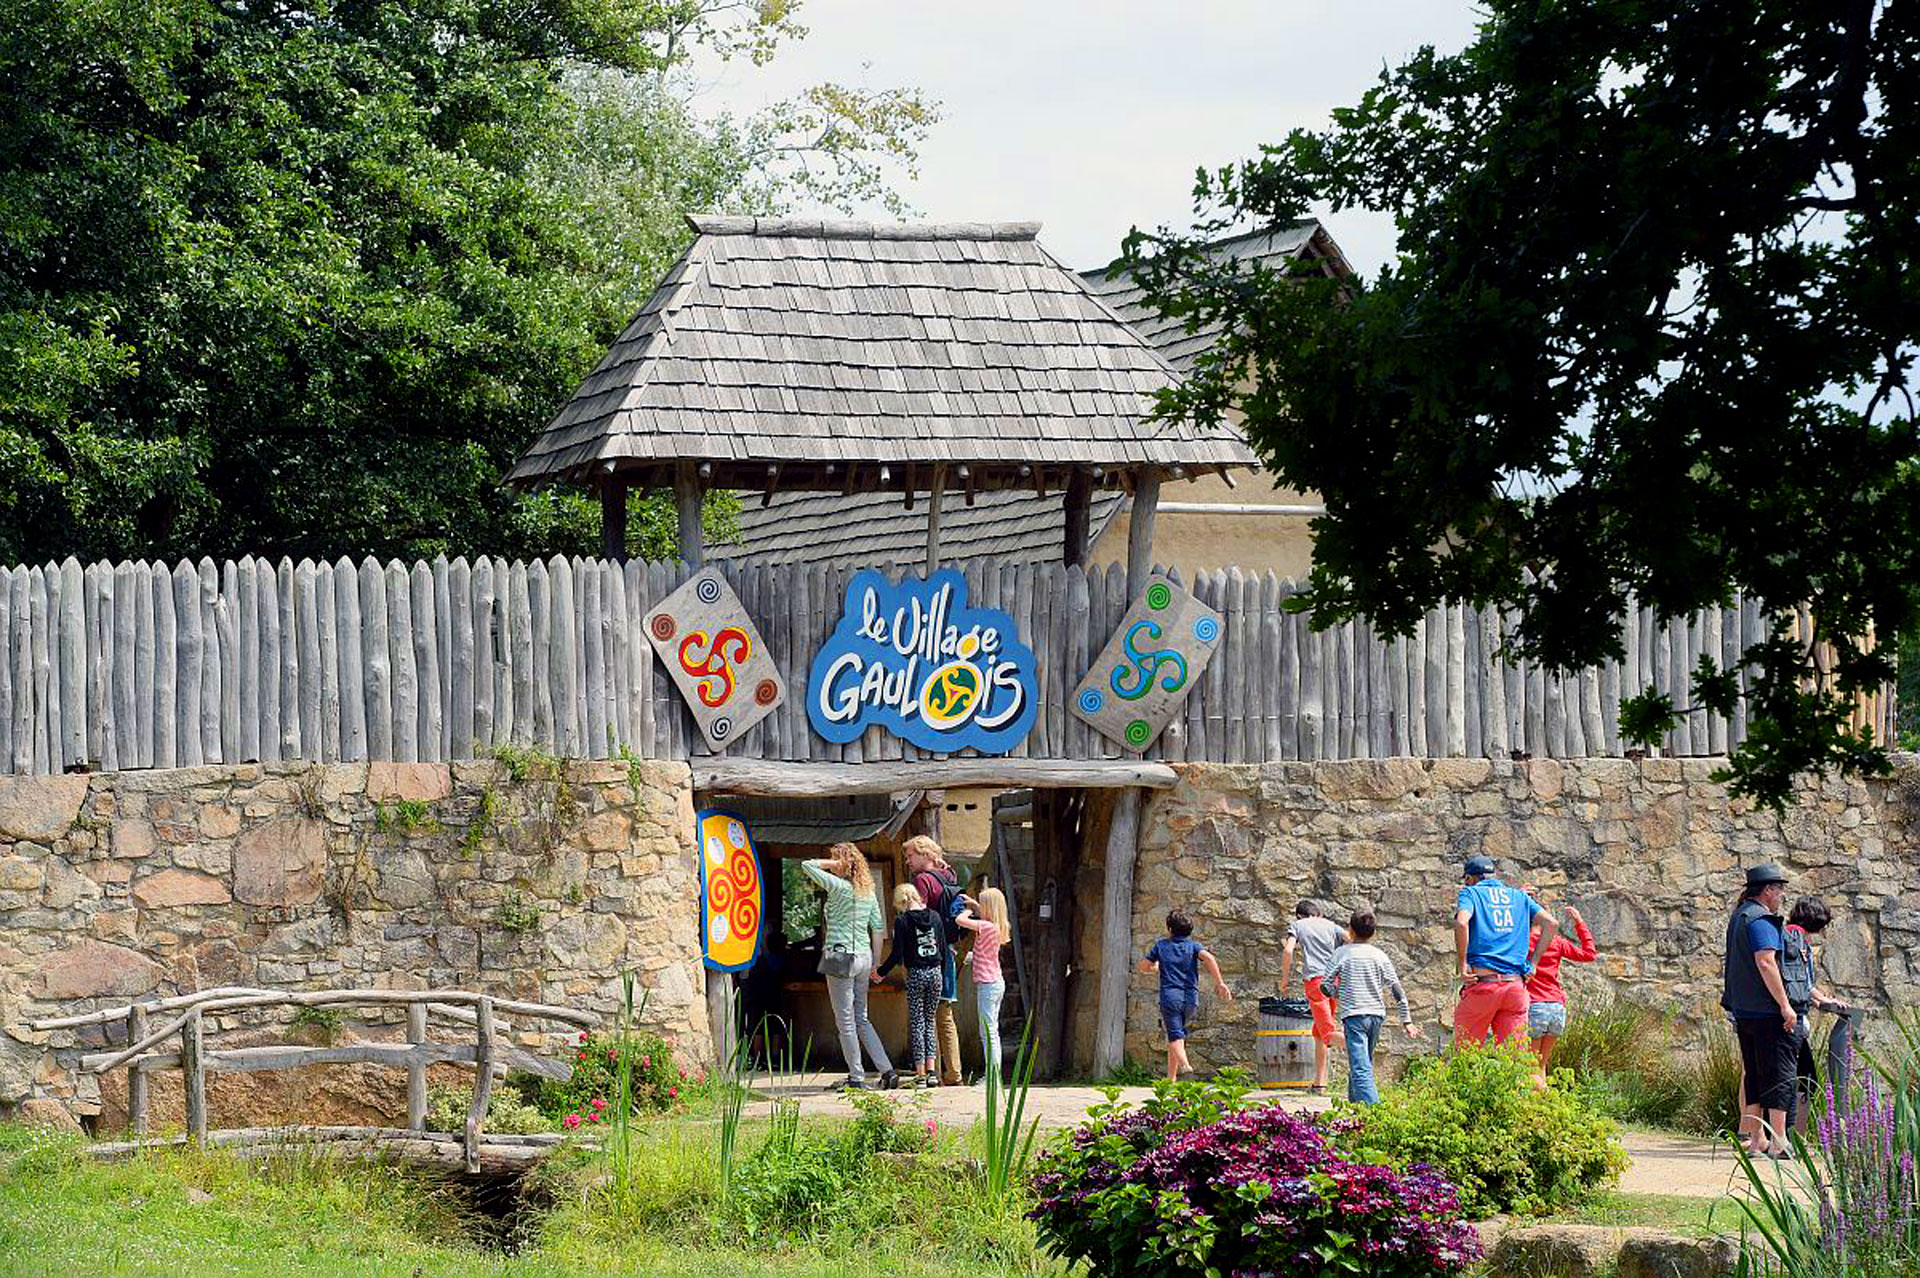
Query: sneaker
(848, 1085)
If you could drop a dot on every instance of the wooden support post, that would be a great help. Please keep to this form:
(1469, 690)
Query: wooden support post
(417, 1070)
(136, 1074)
(1146, 504)
(934, 501)
(1056, 846)
(482, 1080)
(1116, 929)
(613, 517)
(1123, 831)
(193, 1064)
(1079, 514)
(686, 503)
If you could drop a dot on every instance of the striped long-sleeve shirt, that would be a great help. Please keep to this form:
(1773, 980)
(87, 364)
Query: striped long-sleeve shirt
(1359, 978)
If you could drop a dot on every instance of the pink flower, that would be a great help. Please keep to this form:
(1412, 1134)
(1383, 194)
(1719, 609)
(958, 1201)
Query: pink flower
(646, 1062)
(570, 1122)
(672, 1092)
(594, 1117)
(599, 1102)
(932, 1127)
(583, 1036)
(613, 1053)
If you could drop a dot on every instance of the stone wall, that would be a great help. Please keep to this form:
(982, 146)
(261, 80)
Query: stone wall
(543, 885)
(1650, 851)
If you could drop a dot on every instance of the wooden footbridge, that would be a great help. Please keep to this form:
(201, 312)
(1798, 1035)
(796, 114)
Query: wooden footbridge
(181, 1043)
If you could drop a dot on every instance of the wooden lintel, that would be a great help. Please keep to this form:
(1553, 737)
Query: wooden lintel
(822, 780)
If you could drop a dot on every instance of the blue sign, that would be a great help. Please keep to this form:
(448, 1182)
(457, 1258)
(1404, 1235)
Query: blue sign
(915, 660)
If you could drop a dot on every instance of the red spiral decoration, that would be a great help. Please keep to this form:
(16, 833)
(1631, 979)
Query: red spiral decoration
(766, 692)
(741, 870)
(720, 892)
(743, 917)
(662, 626)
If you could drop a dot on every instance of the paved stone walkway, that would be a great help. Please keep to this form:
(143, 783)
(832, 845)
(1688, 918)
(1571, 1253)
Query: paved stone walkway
(1662, 1164)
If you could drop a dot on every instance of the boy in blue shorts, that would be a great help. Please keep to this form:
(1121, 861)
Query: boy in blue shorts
(1178, 958)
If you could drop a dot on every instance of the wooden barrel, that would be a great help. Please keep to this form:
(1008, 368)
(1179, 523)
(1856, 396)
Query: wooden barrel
(1283, 1045)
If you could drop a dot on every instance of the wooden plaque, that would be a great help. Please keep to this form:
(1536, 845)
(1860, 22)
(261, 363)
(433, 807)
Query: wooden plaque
(716, 657)
(1152, 661)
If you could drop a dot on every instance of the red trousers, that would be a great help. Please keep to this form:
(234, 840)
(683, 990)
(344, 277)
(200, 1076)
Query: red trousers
(1499, 1006)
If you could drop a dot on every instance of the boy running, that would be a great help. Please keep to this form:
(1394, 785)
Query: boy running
(1178, 958)
(1359, 976)
(1316, 937)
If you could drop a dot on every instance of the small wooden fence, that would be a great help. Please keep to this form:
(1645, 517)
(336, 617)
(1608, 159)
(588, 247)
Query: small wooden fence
(139, 665)
(488, 1054)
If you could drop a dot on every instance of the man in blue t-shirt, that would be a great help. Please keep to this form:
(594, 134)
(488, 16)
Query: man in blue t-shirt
(1755, 995)
(1178, 958)
(1492, 924)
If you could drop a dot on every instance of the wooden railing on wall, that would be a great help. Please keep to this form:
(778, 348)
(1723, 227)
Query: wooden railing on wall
(138, 665)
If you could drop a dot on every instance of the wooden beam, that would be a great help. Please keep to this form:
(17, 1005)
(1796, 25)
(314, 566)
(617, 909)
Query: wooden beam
(820, 780)
(1079, 515)
(686, 504)
(136, 1077)
(250, 1060)
(934, 501)
(613, 517)
(193, 1065)
(483, 1084)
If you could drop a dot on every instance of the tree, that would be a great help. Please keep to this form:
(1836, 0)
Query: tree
(303, 279)
(1650, 330)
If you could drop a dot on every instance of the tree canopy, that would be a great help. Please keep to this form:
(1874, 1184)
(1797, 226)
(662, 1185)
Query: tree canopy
(303, 278)
(1650, 331)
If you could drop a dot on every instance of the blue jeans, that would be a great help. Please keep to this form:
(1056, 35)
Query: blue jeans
(1363, 1034)
(987, 999)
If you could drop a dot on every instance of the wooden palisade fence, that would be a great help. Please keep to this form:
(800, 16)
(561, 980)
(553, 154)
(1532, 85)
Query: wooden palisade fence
(146, 1049)
(141, 665)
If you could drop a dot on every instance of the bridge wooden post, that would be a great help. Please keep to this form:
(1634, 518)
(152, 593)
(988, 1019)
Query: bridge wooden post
(193, 1064)
(417, 1068)
(136, 1074)
(483, 1079)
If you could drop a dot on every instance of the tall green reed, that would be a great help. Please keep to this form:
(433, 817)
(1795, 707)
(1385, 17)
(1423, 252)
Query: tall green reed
(1009, 1146)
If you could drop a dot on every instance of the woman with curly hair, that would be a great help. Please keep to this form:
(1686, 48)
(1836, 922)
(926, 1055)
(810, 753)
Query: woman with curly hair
(852, 941)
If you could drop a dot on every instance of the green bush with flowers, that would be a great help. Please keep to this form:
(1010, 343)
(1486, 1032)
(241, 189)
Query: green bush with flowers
(587, 1096)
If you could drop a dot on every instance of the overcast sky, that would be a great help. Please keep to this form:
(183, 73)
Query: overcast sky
(1090, 116)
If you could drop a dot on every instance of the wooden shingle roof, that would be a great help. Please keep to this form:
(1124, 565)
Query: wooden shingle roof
(1273, 248)
(807, 354)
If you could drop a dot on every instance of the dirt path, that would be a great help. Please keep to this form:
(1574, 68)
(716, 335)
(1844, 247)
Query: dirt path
(1662, 1164)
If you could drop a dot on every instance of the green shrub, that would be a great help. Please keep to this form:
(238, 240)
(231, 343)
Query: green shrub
(1475, 1116)
(1627, 1060)
(658, 1084)
(508, 1112)
(879, 1128)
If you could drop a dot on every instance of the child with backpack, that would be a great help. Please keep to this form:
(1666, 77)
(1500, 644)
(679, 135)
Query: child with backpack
(1177, 957)
(920, 944)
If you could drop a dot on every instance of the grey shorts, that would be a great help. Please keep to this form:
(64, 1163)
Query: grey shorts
(1546, 1019)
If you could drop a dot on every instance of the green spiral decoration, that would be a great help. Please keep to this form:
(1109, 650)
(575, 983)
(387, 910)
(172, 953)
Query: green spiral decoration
(1158, 595)
(1139, 732)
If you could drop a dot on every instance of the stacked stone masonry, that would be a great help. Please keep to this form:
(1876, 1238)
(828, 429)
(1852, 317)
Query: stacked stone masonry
(542, 886)
(1650, 851)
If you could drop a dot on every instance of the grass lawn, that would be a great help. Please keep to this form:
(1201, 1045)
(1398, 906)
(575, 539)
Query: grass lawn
(1681, 1215)
(208, 1213)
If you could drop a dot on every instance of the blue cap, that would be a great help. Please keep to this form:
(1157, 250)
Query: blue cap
(1479, 866)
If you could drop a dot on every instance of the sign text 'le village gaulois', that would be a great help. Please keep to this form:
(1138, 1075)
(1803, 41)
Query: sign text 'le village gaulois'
(915, 660)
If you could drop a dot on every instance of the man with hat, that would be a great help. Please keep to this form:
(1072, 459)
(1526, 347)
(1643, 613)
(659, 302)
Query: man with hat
(1491, 926)
(1755, 995)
